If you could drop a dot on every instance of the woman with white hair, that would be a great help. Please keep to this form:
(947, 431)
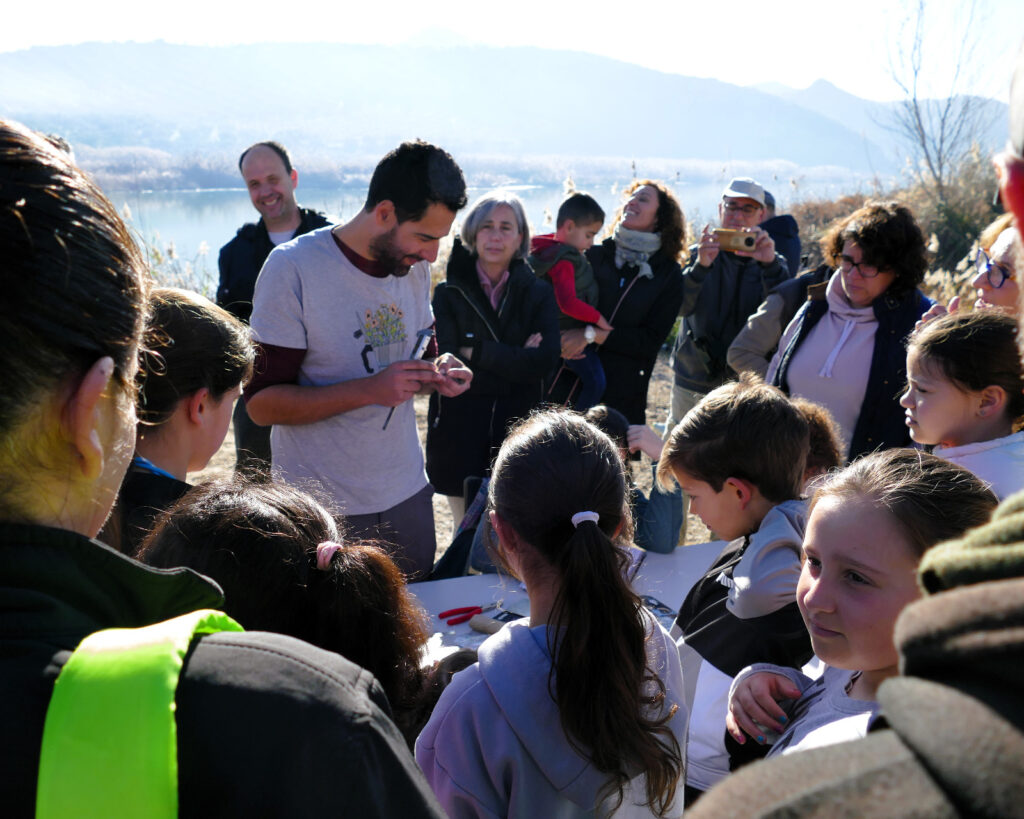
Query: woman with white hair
(494, 314)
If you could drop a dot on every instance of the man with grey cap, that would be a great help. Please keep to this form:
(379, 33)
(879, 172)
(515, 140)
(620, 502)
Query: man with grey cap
(721, 288)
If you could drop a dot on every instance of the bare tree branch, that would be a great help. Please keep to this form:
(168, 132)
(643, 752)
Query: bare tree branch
(937, 132)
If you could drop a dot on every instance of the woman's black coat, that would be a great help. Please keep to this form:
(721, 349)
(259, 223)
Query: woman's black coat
(464, 433)
(642, 311)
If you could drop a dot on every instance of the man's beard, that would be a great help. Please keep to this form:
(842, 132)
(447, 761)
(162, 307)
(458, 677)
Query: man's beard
(388, 255)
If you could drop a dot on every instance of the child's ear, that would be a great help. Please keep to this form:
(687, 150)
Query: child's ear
(506, 534)
(741, 488)
(993, 402)
(80, 416)
(198, 403)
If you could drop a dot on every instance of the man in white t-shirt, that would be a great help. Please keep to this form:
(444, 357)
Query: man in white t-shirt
(336, 316)
(271, 179)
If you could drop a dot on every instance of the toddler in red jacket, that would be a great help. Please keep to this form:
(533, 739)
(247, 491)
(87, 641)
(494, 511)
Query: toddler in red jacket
(558, 257)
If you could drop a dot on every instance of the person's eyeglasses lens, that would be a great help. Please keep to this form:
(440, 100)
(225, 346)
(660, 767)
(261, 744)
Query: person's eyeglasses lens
(996, 273)
(732, 207)
(866, 272)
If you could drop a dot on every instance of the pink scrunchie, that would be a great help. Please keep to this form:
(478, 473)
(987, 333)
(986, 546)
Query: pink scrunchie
(324, 552)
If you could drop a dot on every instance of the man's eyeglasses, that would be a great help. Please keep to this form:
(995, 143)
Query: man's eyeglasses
(732, 207)
(995, 272)
(867, 271)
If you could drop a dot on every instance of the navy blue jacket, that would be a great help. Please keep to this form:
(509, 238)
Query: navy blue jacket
(880, 423)
(786, 235)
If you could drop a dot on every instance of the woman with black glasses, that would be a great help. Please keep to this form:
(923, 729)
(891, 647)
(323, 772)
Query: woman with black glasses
(996, 280)
(845, 348)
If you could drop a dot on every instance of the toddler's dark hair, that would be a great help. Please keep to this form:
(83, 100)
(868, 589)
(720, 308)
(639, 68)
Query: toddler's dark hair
(582, 208)
(825, 452)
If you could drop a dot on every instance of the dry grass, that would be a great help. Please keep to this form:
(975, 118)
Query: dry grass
(951, 226)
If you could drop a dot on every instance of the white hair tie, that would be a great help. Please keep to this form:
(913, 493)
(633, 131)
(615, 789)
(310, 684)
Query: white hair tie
(579, 517)
(325, 551)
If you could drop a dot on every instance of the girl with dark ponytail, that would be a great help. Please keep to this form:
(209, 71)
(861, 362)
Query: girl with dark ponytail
(577, 711)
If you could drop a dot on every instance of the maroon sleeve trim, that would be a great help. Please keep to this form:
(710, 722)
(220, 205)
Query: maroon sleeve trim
(274, 365)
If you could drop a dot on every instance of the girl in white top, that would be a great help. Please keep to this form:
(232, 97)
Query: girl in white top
(965, 395)
(869, 525)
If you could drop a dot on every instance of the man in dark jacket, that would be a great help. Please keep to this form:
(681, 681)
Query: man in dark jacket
(271, 180)
(721, 288)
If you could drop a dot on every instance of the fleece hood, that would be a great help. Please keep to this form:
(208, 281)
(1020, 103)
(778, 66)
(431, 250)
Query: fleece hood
(514, 665)
(520, 688)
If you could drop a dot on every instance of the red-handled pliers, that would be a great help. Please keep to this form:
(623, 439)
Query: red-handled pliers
(466, 613)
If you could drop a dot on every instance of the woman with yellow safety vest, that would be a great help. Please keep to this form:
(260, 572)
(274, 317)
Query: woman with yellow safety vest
(142, 719)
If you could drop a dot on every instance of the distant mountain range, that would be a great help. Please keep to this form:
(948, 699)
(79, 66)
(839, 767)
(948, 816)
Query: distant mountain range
(342, 102)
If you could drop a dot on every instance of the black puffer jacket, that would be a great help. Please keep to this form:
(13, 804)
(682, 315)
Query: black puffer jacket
(642, 311)
(241, 699)
(241, 259)
(463, 433)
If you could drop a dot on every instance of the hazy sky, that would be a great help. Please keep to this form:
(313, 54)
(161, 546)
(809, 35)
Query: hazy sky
(793, 42)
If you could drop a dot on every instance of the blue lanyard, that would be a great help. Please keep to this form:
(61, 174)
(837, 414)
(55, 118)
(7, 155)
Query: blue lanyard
(149, 466)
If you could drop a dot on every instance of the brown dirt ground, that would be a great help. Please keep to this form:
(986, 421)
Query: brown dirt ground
(658, 400)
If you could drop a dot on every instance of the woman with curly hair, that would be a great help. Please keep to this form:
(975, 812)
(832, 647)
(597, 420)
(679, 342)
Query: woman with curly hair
(845, 349)
(640, 290)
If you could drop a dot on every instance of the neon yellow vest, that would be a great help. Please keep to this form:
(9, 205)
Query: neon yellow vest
(110, 743)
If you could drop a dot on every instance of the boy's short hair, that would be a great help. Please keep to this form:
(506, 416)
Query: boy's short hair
(826, 451)
(744, 429)
(582, 208)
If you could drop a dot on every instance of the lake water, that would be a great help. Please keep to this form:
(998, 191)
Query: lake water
(198, 223)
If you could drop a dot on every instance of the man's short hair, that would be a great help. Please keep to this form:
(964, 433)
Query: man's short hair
(414, 176)
(744, 429)
(276, 147)
(582, 208)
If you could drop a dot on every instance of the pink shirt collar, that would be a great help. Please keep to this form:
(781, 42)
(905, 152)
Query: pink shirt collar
(494, 291)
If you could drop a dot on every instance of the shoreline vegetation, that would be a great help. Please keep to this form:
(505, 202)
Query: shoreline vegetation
(952, 225)
(142, 169)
